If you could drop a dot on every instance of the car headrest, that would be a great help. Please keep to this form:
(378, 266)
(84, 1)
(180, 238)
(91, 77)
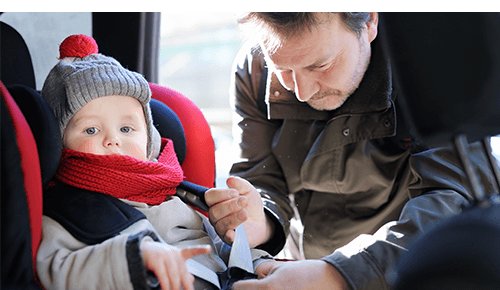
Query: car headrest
(446, 68)
(169, 126)
(199, 164)
(44, 126)
(15, 58)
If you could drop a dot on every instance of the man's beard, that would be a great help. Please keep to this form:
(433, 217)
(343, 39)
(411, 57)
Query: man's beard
(328, 100)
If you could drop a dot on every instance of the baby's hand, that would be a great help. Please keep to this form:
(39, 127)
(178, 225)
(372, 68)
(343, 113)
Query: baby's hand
(168, 263)
(265, 267)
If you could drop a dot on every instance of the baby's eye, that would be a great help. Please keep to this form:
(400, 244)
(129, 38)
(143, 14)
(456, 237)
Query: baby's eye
(91, 130)
(125, 129)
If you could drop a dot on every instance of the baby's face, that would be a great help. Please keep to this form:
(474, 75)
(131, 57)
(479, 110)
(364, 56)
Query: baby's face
(109, 125)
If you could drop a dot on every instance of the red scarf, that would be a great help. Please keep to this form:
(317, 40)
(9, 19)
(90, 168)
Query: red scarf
(123, 176)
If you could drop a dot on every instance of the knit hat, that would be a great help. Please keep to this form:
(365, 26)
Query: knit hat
(83, 74)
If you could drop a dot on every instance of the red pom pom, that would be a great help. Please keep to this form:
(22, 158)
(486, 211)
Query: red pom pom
(77, 45)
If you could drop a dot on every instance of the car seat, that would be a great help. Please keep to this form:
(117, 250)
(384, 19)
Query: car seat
(30, 154)
(446, 70)
(21, 212)
(199, 161)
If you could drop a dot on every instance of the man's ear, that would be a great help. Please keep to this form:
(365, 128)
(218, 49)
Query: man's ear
(372, 26)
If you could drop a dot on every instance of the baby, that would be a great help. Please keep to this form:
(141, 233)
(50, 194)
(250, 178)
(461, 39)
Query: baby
(110, 218)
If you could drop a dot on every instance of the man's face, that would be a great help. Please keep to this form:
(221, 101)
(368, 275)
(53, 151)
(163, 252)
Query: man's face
(110, 125)
(324, 66)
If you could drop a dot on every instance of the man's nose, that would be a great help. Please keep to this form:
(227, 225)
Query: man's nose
(303, 84)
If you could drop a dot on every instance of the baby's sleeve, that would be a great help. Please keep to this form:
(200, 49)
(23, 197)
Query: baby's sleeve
(63, 262)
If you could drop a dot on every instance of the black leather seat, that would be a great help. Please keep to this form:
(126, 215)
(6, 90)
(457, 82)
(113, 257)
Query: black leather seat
(446, 68)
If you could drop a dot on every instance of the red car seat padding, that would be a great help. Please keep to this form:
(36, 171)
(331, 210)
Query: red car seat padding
(199, 165)
(30, 168)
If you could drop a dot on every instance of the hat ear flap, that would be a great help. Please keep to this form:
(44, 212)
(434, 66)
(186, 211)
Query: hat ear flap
(156, 144)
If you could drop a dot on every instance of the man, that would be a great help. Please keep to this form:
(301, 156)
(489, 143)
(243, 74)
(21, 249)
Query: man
(320, 129)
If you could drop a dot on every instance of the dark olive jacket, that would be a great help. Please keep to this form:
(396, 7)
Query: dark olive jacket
(363, 186)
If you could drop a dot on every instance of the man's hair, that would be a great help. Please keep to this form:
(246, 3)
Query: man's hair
(275, 27)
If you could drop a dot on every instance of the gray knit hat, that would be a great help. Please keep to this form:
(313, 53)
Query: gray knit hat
(75, 81)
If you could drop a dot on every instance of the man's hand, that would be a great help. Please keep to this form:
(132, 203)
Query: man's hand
(240, 203)
(168, 263)
(300, 275)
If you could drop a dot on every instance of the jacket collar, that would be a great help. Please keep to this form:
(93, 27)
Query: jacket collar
(372, 95)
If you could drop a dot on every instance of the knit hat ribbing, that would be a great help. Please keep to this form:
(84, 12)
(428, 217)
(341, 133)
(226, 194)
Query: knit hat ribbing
(75, 81)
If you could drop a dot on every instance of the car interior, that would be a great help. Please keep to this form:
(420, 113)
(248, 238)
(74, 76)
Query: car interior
(447, 76)
(31, 143)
